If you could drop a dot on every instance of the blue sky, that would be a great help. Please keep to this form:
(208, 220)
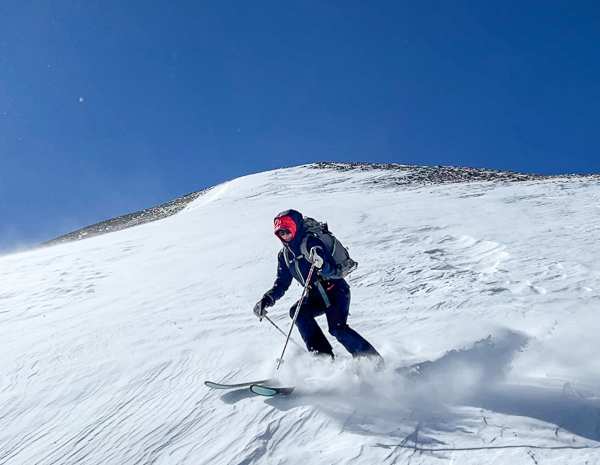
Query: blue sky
(108, 107)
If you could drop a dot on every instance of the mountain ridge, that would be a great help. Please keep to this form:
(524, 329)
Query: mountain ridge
(417, 175)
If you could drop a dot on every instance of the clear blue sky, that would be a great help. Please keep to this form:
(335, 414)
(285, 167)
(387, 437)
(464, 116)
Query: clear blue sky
(108, 107)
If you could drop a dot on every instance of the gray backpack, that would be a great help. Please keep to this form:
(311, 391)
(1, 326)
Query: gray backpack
(344, 265)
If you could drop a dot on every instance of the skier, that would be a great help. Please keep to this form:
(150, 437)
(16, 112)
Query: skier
(325, 295)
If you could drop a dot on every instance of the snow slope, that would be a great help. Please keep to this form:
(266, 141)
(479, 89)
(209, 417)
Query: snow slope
(483, 297)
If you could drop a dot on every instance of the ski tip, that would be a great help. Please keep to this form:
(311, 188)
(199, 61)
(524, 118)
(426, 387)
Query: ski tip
(246, 384)
(212, 385)
(271, 391)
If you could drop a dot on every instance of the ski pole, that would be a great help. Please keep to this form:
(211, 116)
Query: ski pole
(280, 360)
(278, 329)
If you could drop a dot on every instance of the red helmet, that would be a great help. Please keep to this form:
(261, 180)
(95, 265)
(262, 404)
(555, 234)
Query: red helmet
(285, 222)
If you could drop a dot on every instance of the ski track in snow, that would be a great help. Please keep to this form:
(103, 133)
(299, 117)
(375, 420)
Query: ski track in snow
(482, 297)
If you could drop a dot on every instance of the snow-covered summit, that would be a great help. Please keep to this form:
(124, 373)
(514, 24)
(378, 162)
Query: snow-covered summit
(482, 296)
(397, 174)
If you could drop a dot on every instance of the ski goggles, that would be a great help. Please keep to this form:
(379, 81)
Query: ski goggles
(283, 232)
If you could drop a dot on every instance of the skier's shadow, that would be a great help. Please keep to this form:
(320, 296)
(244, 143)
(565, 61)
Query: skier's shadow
(232, 397)
(442, 382)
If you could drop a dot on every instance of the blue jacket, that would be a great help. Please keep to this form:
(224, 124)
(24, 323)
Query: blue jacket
(292, 265)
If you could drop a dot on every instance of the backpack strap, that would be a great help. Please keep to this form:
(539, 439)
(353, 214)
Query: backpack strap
(303, 247)
(289, 261)
(323, 293)
(293, 262)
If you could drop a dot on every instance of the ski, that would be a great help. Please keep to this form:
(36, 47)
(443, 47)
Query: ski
(268, 391)
(213, 385)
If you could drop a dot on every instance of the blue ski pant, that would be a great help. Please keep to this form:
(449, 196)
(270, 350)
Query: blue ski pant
(337, 316)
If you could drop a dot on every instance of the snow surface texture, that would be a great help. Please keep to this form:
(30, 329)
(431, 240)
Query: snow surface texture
(482, 297)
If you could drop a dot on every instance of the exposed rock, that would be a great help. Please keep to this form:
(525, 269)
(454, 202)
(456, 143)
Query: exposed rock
(427, 175)
(128, 221)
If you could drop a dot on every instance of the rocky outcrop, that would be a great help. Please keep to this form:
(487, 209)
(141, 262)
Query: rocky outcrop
(128, 221)
(426, 175)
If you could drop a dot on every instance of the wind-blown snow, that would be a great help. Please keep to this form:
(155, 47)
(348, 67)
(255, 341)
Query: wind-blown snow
(483, 297)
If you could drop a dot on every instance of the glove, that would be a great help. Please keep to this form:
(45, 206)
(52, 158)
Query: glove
(260, 309)
(315, 258)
